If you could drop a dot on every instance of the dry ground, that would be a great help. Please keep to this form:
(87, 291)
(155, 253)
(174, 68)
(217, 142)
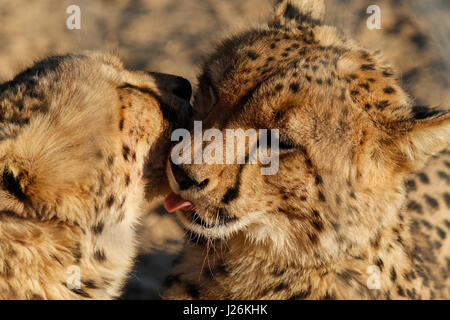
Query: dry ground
(172, 36)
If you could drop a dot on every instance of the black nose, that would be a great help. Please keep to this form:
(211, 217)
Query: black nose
(182, 88)
(177, 85)
(184, 179)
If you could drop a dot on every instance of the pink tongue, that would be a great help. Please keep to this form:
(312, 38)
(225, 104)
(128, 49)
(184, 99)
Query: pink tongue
(174, 202)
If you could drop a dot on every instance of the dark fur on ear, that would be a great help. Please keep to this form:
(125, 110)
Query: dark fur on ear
(12, 184)
(425, 112)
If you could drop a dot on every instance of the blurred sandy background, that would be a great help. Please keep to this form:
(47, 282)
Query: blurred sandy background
(173, 36)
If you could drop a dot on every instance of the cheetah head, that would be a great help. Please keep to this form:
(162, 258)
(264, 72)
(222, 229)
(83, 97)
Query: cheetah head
(79, 133)
(348, 134)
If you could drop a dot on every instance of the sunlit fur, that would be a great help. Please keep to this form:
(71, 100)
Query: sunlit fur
(83, 144)
(337, 204)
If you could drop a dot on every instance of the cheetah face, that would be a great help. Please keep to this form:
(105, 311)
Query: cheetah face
(78, 128)
(347, 135)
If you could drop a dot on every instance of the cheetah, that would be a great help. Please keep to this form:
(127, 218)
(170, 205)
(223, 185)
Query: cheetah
(83, 146)
(345, 216)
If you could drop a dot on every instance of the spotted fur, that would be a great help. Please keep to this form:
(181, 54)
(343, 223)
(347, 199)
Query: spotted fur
(338, 207)
(82, 145)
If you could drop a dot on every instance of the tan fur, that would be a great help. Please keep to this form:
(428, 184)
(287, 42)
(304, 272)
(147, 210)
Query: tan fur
(83, 144)
(337, 207)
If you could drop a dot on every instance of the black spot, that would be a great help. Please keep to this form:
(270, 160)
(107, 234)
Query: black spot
(444, 176)
(442, 234)
(281, 287)
(329, 296)
(110, 201)
(321, 196)
(393, 274)
(432, 202)
(414, 206)
(420, 40)
(318, 180)
(411, 293)
(77, 254)
(367, 106)
(447, 223)
(294, 87)
(12, 184)
(252, 55)
(98, 228)
(389, 90)
(423, 178)
(313, 238)
(346, 276)
(352, 195)
(379, 263)
(301, 295)
(447, 164)
(126, 152)
(308, 78)
(371, 80)
(427, 224)
(90, 284)
(447, 199)
(279, 87)
(366, 67)
(121, 124)
(400, 291)
(273, 46)
(354, 92)
(99, 255)
(365, 86)
(382, 105)
(127, 180)
(81, 293)
(387, 73)
(319, 81)
(317, 224)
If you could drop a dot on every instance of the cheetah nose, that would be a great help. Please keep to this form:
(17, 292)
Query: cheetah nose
(182, 88)
(184, 179)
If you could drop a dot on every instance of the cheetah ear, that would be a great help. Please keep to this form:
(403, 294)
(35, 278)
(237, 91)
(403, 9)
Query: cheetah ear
(426, 134)
(292, 13)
